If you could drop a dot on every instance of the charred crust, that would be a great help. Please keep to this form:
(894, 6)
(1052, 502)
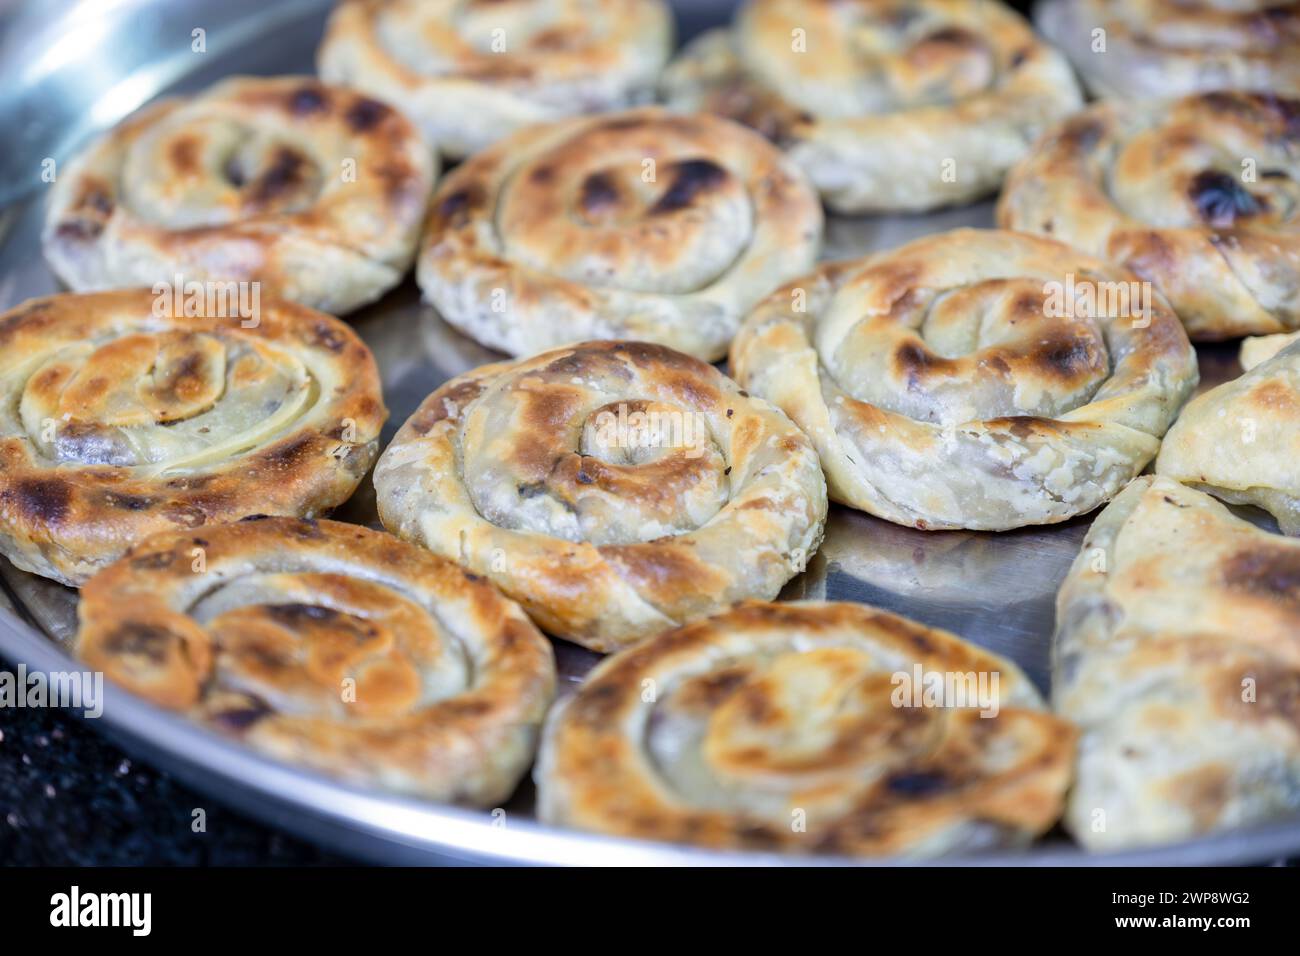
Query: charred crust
(44, 502)
(366, 114)
(690, 179)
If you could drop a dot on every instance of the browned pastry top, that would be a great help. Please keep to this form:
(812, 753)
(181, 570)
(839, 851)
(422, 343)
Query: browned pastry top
(1199, 196)
(330, 645)
(612, 488)
(794, 727)
(119, 418)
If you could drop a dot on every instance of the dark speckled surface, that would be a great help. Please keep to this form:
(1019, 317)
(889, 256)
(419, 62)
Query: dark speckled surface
(69, 797)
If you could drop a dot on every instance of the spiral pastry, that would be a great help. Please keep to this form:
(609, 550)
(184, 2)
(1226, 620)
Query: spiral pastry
(332, 646)
(643, 225)
(1200, 197)
(614, 489)
(470, 72)
(888, 105)
(314, 191)
(968, 380)
(1134, 49)
(118, 419)
(1178, 655)
(1241, 441)
(803, 728)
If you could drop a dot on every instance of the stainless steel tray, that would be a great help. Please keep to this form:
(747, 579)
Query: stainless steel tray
(998, 590)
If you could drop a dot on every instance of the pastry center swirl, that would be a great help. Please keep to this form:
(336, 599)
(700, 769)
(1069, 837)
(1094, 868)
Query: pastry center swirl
(615, 209)
(165, 400)
(992, 348)
(575, 462)
(309, 644)
(191, 172)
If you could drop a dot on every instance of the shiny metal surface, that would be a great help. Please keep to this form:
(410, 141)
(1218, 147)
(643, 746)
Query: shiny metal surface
(995, 589)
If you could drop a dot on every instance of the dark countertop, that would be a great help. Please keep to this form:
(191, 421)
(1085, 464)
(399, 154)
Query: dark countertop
(69, 797)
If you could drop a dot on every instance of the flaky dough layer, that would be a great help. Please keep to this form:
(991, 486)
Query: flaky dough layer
(314, 191)
(888, 105)
(969, 380)
(804, 728)
(331, 646)
(641, 225)
(119, 419)
(614, 489)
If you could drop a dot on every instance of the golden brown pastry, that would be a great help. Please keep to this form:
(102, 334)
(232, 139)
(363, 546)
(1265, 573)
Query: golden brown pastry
(1198, 197)
(1241, 440)
(332, 646)
(470, 72)
(888, 105)
(314, 191)
(119, 418)
(641, 225)
(807, 728)
(1131, 49)
(613, 489)
(971, 379)
(1178, 655)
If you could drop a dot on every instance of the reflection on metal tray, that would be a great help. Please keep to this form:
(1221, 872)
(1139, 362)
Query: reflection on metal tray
(995, 589)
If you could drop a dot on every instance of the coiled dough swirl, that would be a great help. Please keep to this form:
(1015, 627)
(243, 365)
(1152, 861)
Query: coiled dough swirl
(471, 72)
(332, 646)
(640, 225)
(612, 488)
(806, 728)
(314, 191)
(971, 379)
(1200, 197)
(119, 418)
(888, 105)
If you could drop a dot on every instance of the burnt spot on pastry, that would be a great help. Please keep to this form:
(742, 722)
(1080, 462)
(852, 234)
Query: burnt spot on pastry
(1221, 200)
(914, 362)
(237, 720)
(1070, 358)
(291, 452)
(128, 502)
(95, 197)
(365, 114)
(156, 561)
(287, 172)
(1273, 574)
(448, 402)
(309, 101)
(597, 194)
(455, 209)
(296, 614)
(328, 337)
(185, 515)
(44, 502)
(917, 783)
(183, 154)
(689, 179)
(136, 639)
(1081, 135)
(79, 230)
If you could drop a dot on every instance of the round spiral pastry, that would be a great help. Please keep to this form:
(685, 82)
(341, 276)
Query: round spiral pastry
(614, 489)
(1135, 49)
(1200, 197)
(119, 419)
(888, 105)
(642, 225)
(329, 645)
(472, 71)
(965, 380)
(1178, 656)
(1241, 440)
(804, 728)
(315, 191)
